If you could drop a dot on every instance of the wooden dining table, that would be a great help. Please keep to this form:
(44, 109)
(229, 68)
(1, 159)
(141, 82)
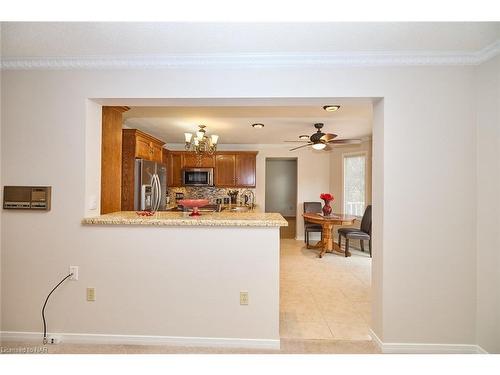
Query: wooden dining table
(327, 223)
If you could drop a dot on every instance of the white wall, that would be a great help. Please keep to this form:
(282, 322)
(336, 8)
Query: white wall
(426, 154)
(378, 253)
(488, 205)
(149, 281)
(281, 186)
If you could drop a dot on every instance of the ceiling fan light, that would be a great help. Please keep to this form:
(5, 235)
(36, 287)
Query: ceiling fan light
(319, 146)
(257, 126)
(331, 108)
(304, 137)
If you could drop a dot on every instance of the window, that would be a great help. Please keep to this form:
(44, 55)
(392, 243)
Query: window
(354, 184)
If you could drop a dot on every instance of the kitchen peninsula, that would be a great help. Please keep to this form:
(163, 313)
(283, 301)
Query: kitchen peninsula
(188, 276)
(213, 219)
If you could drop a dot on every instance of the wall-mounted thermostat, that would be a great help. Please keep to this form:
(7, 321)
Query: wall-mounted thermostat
(27, 197)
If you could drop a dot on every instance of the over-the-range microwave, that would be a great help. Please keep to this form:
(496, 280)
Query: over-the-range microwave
(198, 176)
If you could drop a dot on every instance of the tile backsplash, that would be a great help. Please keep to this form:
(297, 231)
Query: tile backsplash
(203, 192)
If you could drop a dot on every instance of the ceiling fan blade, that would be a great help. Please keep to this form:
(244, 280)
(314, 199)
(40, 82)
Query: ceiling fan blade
(296, 141)
(345, 141)
(296, 148)
(328, 137)
(328, 148)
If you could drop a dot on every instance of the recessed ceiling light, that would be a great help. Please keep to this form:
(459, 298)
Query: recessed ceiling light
(304, 137)
(331, 108)
(257, 126)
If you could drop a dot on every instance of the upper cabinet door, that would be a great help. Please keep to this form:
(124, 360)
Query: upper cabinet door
(143, 148)
(174, 169)
(156, 152)
(225, 170)
(245, 170)
(191, 161)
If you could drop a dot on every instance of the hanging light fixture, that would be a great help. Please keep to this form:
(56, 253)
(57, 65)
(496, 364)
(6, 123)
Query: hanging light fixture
(200, 143)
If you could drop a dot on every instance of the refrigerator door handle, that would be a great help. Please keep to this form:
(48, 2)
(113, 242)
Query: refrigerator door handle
(158, 192)
(153, 193)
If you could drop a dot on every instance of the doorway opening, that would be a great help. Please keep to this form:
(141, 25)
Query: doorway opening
(333, 297)
(281, 191)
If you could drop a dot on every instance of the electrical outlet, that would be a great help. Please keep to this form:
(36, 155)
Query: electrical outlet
(74, 271)
(90, 294)
(53, 340)
(243, 298)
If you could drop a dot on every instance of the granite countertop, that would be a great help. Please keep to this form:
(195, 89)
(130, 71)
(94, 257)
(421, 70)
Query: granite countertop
(176, 219)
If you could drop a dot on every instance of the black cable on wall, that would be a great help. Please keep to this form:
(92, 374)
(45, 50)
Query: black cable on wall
(45, 304)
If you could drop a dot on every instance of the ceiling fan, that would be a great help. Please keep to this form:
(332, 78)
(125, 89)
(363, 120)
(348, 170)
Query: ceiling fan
(322, 141)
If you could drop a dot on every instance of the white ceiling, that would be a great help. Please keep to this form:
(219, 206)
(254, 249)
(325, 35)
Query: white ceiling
(233, 123)
(23, 39)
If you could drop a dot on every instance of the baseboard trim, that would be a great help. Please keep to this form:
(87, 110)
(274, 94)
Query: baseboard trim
(418, 348)
(480, 350)
(86, 338)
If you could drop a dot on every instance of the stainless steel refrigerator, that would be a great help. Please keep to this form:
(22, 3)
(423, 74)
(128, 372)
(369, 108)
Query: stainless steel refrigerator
(150, 185)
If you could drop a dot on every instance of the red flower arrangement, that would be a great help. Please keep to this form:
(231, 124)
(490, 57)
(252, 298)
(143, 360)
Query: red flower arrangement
(326, 197)
(327, 209)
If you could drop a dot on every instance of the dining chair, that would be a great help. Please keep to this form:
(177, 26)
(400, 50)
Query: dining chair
(364, 233)
(312, 207)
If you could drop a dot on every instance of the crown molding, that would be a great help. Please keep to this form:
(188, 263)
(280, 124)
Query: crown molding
(239, 60)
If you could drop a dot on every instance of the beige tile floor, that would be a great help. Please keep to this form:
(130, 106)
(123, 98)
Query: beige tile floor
(327, 298)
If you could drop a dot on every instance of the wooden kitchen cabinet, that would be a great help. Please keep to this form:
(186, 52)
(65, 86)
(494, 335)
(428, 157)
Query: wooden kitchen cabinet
(231, 168)
(142, 145)
(225, 174)
(157, 152)
(235, 169)
(174, 168)
(191, 161)
(245, 170)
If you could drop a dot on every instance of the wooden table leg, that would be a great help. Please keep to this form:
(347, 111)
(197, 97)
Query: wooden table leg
(327, 240)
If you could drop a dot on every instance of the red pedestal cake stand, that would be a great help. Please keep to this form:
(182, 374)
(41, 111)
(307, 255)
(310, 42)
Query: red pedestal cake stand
(194, 204)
